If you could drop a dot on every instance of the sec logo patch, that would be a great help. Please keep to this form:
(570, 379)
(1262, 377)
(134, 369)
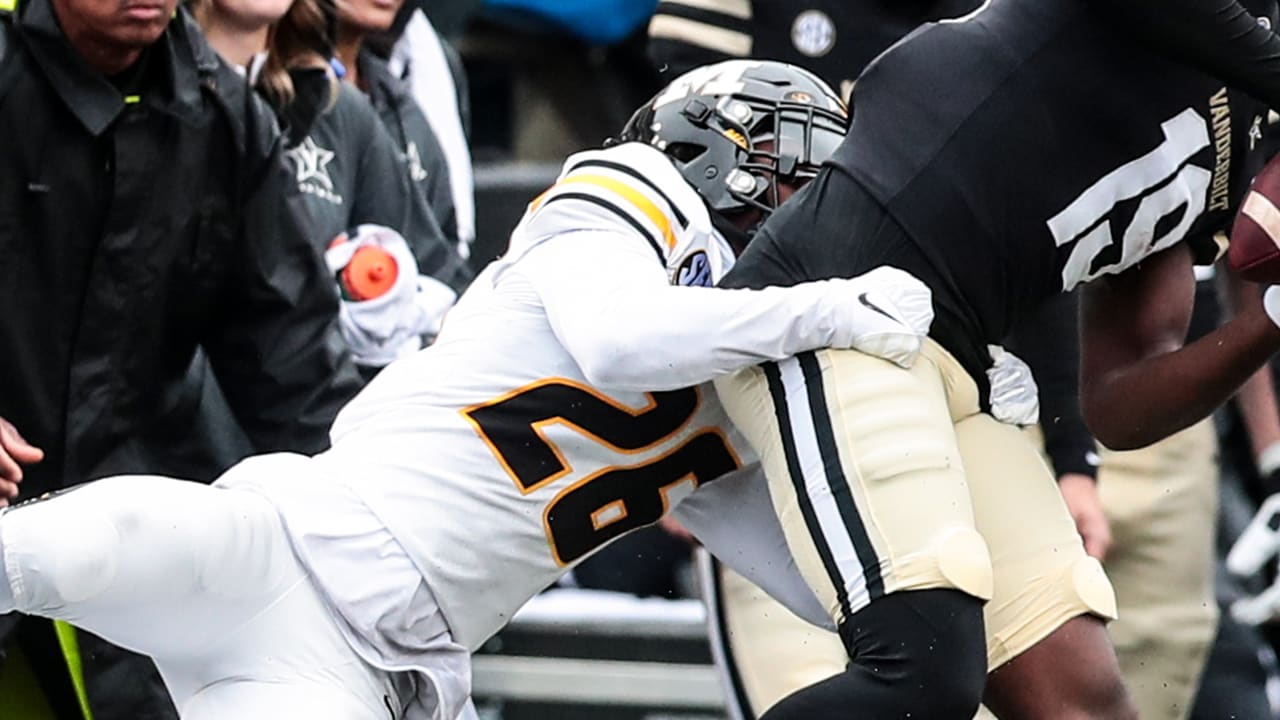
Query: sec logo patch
(694, 271)
(813, 33)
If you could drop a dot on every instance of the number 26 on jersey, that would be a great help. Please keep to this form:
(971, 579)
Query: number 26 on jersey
(618, 498)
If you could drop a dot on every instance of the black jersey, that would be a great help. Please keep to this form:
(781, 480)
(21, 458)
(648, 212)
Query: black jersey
(1021, 151)
(1231, 39)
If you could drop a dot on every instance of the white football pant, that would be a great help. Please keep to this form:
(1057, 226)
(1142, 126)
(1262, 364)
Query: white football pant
(204, 581)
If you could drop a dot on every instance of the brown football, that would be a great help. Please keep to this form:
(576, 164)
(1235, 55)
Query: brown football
(1255, 236)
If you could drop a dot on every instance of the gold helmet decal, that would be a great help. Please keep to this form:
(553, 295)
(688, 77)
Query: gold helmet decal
(738, 138)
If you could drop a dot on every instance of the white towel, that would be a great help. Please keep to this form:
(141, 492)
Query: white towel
(392, 325)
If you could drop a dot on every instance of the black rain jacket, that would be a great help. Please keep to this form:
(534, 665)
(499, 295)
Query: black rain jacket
(141, 217)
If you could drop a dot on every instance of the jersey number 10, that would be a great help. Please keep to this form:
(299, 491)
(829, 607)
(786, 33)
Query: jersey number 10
(616, 499)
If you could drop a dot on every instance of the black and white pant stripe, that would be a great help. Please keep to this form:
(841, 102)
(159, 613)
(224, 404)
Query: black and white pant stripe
(818, 477)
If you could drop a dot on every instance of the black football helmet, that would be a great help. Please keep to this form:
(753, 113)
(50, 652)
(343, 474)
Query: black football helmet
(736, 128)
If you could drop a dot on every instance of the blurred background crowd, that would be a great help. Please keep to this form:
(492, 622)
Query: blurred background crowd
(450, 117)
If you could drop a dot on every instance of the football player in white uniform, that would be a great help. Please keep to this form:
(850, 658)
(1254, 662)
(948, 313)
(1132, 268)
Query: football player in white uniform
(558, 409)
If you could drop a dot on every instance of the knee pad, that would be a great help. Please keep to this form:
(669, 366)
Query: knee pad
(58, 554)
(1093, 589)
(1077, 587)
(965, 562)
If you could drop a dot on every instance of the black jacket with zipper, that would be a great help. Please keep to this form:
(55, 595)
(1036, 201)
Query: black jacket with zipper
(135, 226)
(140, 217)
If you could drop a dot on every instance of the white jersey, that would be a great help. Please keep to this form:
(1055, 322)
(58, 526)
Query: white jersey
(563, 404)
(491, 456)
(633, 190)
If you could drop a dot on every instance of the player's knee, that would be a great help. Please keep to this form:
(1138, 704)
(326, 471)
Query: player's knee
(59, 554)
(955, 659)
(931, 644)
(1103, 696)
(915, 654)
(1092, 588)
(1102, 693)
(965, 561)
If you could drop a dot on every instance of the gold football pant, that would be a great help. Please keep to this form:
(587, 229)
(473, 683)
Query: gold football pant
(887, 480)
(1162, 502)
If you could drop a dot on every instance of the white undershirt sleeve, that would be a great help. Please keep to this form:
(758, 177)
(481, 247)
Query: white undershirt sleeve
(610, 304)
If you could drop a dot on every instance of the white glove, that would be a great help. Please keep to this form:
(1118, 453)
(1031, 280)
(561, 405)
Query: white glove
(1259, 542)
(1015, 398)
(392, 325)
(1271, 303)
(890, 314)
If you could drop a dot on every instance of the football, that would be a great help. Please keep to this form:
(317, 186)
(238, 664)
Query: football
(1254, 252)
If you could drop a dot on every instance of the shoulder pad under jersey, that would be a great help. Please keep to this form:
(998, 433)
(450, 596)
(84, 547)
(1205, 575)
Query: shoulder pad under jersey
(631, 187)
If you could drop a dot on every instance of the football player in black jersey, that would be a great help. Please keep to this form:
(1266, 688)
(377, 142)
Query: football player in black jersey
(1001, 158)
(1158, 565)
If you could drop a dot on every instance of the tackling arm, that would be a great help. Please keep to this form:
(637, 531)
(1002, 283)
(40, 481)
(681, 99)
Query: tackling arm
(627, 327)
(1138, 382)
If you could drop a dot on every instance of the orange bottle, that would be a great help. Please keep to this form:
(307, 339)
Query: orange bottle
(371, 273)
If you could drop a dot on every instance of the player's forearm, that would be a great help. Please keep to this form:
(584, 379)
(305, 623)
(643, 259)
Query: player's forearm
(1153, 398)
(627, 327)
(673, 337)
(1257, 403)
